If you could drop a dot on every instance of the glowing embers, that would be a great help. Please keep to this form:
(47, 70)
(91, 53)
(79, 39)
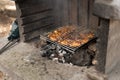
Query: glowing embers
(71, 36)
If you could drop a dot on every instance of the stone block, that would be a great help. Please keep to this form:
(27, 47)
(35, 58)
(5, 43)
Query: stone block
(109, 9)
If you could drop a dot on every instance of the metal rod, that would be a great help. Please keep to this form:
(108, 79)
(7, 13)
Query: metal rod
(9, 44)
(4, 46)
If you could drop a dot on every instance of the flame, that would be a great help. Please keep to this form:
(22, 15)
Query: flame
(70, 36)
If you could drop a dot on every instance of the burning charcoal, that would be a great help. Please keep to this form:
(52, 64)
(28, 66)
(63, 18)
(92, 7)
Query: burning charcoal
(49, 52)
(46, 53)
(54, 55)
(62, 53)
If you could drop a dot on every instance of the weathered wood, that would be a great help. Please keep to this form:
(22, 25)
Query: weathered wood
(102, 41)
(33, 3)
(66, 12)
(65, 16)
(36, 33)
(58, 11)
(38, 24)
(92, 20)
(73, 11)
(83, 12)
(34, 10)
(35, 17)
(34, 14)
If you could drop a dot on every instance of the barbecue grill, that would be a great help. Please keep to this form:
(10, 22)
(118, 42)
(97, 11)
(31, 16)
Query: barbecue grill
(68, 52)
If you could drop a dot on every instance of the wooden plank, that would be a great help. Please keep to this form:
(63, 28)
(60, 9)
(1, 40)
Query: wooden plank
(102, 44)
(36, 33)
(66, 12)
(38, 24)
(33, 6)
(65, 16)
(93, 20)
(30, 13)
(34, 10)
(83, 12)
(35, 17)
(73, 11)
(32, 3)
(58, 9)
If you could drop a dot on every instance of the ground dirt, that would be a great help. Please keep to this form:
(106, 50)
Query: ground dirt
(24, 62)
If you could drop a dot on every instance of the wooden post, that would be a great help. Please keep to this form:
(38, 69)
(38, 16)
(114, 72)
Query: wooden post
(102, 34)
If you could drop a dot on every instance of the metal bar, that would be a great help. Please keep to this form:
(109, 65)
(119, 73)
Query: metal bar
(71, 49)
(8, 45)
(4, 46)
